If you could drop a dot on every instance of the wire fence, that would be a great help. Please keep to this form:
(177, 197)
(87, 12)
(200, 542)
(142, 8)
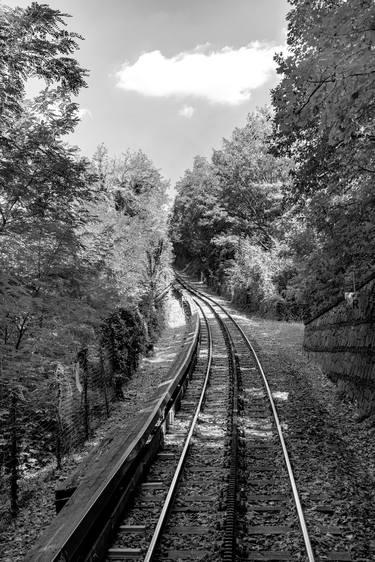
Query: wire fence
(45, 416)
(45, 422)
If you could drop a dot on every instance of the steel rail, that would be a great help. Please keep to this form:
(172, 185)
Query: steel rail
(297, 500)
(167, 504)
(229, 538)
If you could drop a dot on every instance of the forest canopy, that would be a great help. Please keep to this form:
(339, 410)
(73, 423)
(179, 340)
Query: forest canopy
(282, 216)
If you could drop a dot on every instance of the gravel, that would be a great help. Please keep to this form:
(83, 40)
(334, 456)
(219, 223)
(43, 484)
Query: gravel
(333, 456)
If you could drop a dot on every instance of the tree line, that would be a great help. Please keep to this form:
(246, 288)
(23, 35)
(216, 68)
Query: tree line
(282, 215)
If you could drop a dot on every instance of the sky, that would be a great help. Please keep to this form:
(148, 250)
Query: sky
(171, 77)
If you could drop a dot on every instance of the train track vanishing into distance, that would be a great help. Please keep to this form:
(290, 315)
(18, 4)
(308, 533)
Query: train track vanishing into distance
(218, 463)
(219, 485)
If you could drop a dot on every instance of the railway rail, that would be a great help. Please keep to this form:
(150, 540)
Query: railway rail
(249, 446)
(273, 525)
(218, 484)
(263, 471)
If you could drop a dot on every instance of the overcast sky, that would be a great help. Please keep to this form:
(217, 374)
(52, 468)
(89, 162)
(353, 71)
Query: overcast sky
(171, 77)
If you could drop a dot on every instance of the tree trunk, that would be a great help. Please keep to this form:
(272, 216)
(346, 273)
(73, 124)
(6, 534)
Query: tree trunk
(13, 456)
(83, 362)
(86, 405)
(58, 451)
(106, 402)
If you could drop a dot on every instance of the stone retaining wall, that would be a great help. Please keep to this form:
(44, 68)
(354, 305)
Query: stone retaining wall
(342, 340)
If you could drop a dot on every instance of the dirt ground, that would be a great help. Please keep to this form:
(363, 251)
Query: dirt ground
(333, 456)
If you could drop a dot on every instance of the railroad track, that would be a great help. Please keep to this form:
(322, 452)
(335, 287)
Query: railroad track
(192, 469)
(236, 488)
(271, 524)
(221, 487)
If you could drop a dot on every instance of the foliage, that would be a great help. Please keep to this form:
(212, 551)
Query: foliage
(250, 179)
(124, 335)
(82, 245)
(226, 217)
(43, 185)
(325, 120)
(197, 215)
(127, 237)
(250, 278)
(34, 43)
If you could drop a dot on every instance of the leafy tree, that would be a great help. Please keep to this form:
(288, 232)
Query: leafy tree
(197, 215)
(43, 187)
(34, 43)
(43, 184)
(234, 200)
(81, 243)
(130, 223)
(250, 179)
(128, 238)
(250, 278)
(325, 120)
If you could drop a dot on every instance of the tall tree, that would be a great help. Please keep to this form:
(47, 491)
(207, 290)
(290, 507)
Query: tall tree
(43, 186)
(250, 178)
(197, 216)
(325, 120)
(131, 221)
(43, 182)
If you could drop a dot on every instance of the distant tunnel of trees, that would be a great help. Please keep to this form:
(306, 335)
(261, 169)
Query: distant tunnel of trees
(282, 217)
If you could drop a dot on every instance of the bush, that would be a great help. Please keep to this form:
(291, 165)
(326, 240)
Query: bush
(124, 338)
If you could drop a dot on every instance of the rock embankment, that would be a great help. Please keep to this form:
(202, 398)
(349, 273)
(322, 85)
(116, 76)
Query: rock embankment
(342, 340)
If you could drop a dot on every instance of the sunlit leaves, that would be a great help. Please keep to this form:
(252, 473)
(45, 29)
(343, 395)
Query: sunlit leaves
(34, 43)
(325, 120)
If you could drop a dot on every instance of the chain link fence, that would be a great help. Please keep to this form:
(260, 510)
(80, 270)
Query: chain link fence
(45, 415)
(41, 423)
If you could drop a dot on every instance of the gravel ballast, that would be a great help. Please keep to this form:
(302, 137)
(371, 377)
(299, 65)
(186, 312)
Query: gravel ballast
(333, 456)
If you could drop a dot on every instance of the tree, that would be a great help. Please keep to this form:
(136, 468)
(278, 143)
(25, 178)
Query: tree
(324, 120)
(230, 203)
(130, 221)
(34, 43)
(43, 185)
(197, 216)
(127, 241)
(250, 179)
(82, 244)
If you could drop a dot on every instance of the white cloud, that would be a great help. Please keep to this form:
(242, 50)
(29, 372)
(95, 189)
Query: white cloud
(83, 112)
(187, 111)
(226, 76)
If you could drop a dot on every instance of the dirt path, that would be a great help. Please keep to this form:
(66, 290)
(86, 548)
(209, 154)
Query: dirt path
(333, 456)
